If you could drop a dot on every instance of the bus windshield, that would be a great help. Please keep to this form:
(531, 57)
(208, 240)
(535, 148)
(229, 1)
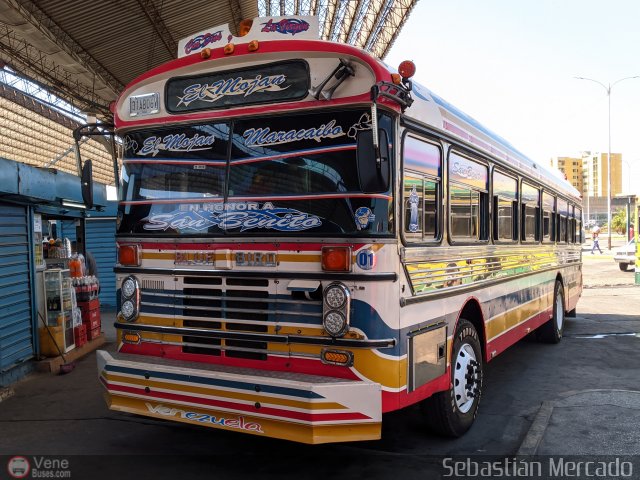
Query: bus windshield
(271, 175)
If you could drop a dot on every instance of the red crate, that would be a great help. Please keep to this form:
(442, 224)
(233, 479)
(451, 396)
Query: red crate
(89, 316)
(80, 335)
(90, 305)
(94, 333)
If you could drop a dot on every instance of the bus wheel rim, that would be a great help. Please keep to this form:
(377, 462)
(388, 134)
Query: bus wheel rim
(465, 378)
(559, 312)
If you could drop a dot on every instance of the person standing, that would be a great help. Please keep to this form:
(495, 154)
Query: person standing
(595, 233)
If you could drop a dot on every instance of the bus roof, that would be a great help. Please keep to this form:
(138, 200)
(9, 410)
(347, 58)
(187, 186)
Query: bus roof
(298, 36)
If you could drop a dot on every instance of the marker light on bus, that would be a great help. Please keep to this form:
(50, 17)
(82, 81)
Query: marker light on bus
(206, 53)
(253, 45)
(129, 255)
(229, 48)
(244, 27)
(407, 69)
(337, 357)
(336, 259)
(396, 78)
(132, 338)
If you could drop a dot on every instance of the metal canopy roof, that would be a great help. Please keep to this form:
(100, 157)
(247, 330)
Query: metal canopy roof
(86, 51)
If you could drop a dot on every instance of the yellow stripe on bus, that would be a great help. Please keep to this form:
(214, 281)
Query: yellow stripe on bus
(214, 392)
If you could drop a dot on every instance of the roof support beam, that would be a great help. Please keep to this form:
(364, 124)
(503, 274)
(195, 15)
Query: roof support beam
(33, 63)
(38, 19)
(148, 7)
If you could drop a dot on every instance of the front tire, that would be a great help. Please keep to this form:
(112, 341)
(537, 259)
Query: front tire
(623, 266)
(551, 332)
(451, 413)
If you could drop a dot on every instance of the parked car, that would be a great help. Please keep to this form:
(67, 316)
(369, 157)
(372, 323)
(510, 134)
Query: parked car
(626, 256)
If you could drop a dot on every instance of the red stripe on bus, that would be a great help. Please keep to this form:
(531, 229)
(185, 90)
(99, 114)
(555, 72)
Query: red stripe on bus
(296, 153)
(271, 198)
(272, 363)
(250, 409)
(175, 162)
(504, 341)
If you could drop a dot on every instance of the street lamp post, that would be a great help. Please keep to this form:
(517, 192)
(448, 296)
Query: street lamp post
(608, 88)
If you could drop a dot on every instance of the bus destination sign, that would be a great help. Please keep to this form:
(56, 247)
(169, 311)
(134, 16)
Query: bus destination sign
(274, 82)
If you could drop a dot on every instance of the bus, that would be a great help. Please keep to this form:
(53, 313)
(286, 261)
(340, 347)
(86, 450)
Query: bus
(308, 240)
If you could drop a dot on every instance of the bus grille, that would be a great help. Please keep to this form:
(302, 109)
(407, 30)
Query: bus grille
(231, 304)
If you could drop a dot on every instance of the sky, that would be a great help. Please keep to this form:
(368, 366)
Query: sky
(511, 64)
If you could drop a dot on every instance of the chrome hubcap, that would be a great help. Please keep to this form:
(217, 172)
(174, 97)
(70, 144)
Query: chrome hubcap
(465, 378)
(559, 312)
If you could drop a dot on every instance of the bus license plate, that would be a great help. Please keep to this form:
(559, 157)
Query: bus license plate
(147, 104)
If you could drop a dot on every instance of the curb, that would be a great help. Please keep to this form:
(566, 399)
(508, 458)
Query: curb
(535, 434)
(532, 439)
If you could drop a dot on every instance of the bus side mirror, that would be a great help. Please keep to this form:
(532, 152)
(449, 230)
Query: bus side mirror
(86, 183)
(374, 165)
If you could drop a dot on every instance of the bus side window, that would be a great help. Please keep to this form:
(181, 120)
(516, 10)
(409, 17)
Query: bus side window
(421, 192)
(579, 238)
(548, 218)
(563, 214)
(505, 208)
(530, 200)
(468, 199)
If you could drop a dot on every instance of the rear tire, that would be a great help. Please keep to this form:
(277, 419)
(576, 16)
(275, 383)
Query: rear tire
(623, 266)
(551, 332)
(451, 413)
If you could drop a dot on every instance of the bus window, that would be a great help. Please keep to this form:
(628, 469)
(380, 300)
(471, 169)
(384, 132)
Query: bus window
(563, 213)
(421, 200)
(579, 226)
(548, 217)
(530, 200)
(468, 199)
(505, 207)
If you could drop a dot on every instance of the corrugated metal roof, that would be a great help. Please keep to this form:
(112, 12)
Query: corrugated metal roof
(87, 51)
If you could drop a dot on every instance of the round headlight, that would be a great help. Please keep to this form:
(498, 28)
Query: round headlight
(335, 324)
(335, 297)
(128, 310)
(128, 287)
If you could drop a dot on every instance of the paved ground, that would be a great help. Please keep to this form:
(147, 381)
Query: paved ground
(562, 391)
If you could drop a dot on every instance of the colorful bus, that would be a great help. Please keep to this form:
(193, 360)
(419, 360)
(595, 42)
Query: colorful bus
(308, 240)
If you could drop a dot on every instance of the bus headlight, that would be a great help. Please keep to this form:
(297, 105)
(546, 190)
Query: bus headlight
(335, 296)
(335, 324)
(128, 310)
(128, 287)
(130, 298)
(336, 310)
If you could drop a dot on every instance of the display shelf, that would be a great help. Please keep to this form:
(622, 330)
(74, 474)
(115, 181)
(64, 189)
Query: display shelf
(57, 295)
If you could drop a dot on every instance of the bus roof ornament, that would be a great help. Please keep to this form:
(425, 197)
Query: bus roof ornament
(288, 27)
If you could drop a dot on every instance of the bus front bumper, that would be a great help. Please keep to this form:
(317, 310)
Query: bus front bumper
(291, 406)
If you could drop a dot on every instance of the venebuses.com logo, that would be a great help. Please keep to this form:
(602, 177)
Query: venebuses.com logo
(38, 467)
(18, 467)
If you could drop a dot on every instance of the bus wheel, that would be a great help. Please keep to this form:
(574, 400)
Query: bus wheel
(452, 413)
(551, 332)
